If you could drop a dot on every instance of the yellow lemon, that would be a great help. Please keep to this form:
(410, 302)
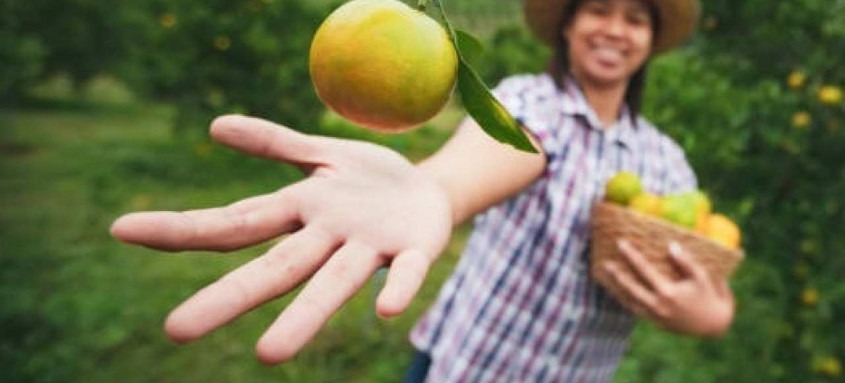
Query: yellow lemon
(383, 64)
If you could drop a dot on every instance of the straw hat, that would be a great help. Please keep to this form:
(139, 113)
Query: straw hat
(678, 19)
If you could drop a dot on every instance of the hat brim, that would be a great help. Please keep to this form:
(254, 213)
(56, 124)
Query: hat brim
(678, 21)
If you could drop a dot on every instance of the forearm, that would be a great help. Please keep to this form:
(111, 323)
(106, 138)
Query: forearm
(477, 172)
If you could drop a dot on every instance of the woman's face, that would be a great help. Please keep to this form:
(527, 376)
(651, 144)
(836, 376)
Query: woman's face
(609, 40)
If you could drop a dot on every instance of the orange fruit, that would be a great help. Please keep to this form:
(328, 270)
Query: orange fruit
(647, 203)
(800, 120)
(796, 79)
(703, 207)
(382, 64)
(721, 229)
(830, 95)
(680, 209)
(622, 187)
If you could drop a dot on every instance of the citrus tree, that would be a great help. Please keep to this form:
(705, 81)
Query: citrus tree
(213, 57)
(76, 38)
(756, 101)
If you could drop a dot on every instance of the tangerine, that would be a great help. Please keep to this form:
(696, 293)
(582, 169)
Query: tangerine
(721, 229)
(647, 203)
(383, 64)
(680, 209)
(622, 187)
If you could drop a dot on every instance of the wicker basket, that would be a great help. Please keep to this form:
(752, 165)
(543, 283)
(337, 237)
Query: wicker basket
(651, 236)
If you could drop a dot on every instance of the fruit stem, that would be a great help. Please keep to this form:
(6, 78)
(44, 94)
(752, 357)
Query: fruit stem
(421, 4)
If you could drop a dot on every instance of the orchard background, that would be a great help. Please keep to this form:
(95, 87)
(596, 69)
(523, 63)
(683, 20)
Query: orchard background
(104, 109)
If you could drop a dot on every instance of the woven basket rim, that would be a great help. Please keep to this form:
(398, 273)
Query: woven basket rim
(666, 226)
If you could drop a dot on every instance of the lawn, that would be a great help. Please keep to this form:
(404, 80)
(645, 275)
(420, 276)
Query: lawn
(77, 306)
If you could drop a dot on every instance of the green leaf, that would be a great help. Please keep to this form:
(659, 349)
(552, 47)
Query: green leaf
(488, 112)
(468, 46)
(493, 118)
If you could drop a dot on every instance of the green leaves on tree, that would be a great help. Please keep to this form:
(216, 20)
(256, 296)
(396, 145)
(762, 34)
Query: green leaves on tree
(479, 102)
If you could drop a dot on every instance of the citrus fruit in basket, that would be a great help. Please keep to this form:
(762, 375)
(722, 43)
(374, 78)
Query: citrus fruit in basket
(703, 206)
(723, 230)
(647, 203)
(382, 64)
(622, 187)
(611, 222)
(680, 209)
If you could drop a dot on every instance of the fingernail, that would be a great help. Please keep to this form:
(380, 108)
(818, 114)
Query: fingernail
(675, 248)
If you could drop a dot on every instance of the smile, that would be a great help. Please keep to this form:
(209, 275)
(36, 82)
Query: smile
(608, 54)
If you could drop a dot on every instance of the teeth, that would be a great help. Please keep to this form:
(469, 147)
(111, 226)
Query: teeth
(608, 53)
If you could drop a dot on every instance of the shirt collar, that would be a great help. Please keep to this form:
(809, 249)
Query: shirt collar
(574, 103)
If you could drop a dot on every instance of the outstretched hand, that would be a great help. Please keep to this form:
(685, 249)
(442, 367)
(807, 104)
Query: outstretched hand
(362, 207)
(695, 304)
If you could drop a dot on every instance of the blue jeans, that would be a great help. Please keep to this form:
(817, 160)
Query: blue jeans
(419, 368)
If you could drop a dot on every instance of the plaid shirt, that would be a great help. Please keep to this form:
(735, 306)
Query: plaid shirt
(521, 305)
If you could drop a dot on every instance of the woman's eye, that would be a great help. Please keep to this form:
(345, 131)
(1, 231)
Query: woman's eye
(639, 19)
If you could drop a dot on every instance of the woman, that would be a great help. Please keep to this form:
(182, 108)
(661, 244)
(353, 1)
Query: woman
(520, 306)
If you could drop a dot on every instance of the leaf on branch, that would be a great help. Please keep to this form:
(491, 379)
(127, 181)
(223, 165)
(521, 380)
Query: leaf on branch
(479, 102)
(468, 46)
(488, 112)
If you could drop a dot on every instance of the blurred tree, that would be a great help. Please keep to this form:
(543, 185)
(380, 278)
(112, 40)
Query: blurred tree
(756, 101)
(511, 49)
(40, 38)
(246, 56)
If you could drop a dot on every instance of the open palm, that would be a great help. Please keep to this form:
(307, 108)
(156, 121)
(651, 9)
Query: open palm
(362, 207)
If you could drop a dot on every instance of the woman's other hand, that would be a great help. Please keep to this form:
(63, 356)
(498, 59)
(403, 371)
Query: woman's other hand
(694, 304)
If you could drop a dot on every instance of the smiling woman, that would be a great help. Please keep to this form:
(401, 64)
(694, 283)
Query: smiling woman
(608, 41)
(671, 23)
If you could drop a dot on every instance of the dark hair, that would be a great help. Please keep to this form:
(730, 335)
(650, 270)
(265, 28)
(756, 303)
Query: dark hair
(559, 65)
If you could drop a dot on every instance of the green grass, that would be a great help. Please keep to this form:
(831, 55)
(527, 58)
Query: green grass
(77, 306)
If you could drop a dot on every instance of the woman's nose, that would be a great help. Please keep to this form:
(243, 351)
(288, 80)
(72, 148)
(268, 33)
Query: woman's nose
(615, 25)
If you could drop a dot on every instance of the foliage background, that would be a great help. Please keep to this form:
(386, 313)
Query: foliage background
(104, 108)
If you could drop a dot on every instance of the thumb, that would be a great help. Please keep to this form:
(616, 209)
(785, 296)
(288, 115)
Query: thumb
(262, 138)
